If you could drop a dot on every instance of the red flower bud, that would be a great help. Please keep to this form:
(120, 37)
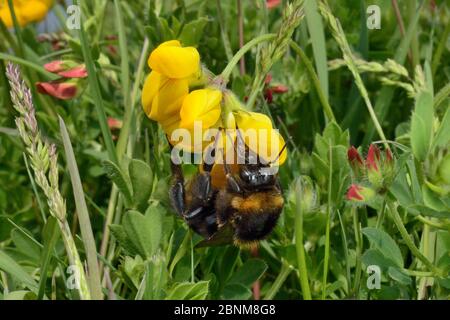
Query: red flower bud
(388, 156)
(373, 158)
(268, 79)
(279, 88)
(66, 68)
(268, 95)
(55, 66)
(353, 193)
(272, 3)
(114, 123)
(354, 157)
(77, 72)
(359, 193)
(60, 90)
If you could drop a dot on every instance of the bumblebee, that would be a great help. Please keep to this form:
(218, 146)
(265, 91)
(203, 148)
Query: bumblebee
(243, 211)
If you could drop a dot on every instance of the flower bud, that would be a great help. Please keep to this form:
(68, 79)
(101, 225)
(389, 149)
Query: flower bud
(373, 167)
(60, 90)
(360, 194)
(308, 194)
(114, 123)
(355, 160)
(67, 69)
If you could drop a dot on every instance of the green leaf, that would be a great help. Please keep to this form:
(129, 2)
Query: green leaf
(385, 244)
(398, 275)
(119, 179)
(154, 216)
(144, 232)
(236, 291)
(375, 257)
(228, 262)
(422, 125)
(121, 236)
(26, 246)
(192, 32)
(20, 295)
(11, 267)
(141, 177)
(250, 271)
(188, 291)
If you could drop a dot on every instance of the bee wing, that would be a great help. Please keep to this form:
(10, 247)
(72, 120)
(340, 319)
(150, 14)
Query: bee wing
(222, 237)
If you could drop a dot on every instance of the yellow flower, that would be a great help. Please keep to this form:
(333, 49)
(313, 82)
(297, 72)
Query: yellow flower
(26, 11)
(201, 105)
(260, 136)
(162, 98)
(174, 61)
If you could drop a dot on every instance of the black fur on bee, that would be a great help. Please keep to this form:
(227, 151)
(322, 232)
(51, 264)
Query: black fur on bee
(248, 206)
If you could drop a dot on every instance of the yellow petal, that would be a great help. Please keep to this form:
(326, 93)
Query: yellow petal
(5, 16)
(201, 105)
(26, 11)
(260, 137)
(33, 11)
(270, 146)
(162, 97)
(152, 84)
(252, 120)
(174, 61)
(170, 43)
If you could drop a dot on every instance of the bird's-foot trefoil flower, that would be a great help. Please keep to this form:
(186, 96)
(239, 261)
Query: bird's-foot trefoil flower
(26, 11)
(174, 61)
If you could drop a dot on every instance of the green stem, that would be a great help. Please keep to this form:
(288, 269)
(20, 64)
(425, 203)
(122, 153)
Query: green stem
(16, 28)
(434, 224)
(282, 275)
(327, 230)
(225, 75)
(315, 79)
(381, 215)
(125, 82)
(409, 242)
(358, 241)
(415, 273)
(303, 271)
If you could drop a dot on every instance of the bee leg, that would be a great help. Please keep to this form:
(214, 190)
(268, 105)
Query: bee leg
(232, 182)
(177, 192)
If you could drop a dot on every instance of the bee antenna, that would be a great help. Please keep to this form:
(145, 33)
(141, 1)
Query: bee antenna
(279, 154)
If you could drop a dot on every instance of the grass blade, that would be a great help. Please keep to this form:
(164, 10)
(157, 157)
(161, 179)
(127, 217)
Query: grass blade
(11, 267)
(83, 215)
(95, 89)
(316, 30)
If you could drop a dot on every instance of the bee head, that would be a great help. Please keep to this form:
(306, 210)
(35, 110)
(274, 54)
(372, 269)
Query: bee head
(249, 228)
(257, 176)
